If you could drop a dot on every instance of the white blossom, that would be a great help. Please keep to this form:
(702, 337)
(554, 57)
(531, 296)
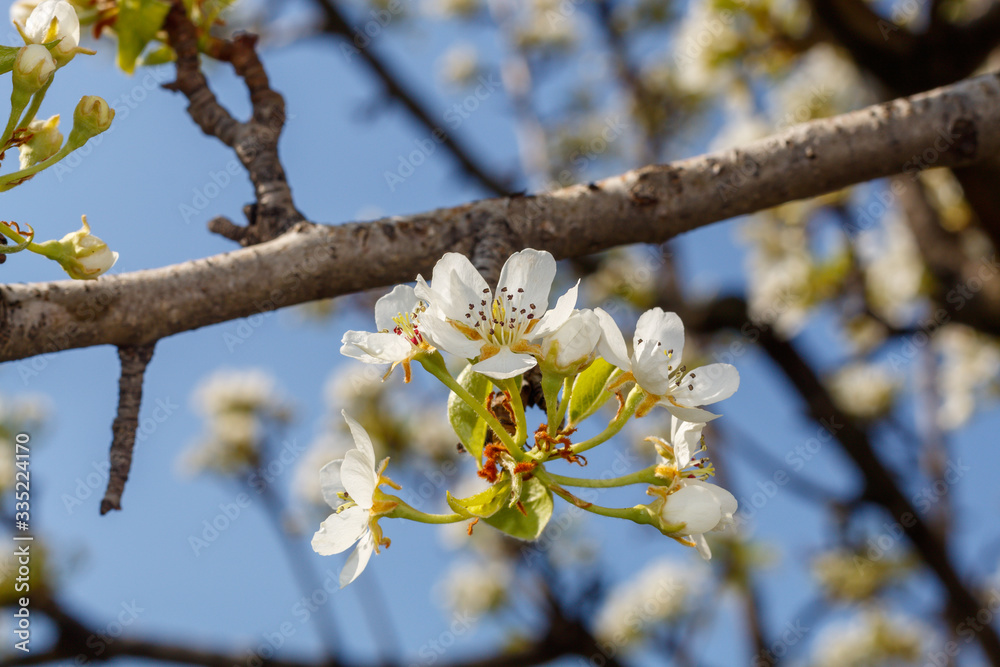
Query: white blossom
(657, 366)
(863, 389)
(52, 20)
(397, 340)
(474, 588)
(350, 486)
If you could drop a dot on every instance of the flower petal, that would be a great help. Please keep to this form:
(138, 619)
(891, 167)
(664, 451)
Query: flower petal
(330, 483)
(358, 560)
(456, 283)
(359, 478)
(340, 531)
(401, 300)
(361, 438)
(376, 348)
(612, 344)
(505, 364)
(689, 414)
(442, 335)
(694, 506)
(701, 544)
(708, 384)
(530, 270)
(685, 437)
(657, 348)
(555, 318)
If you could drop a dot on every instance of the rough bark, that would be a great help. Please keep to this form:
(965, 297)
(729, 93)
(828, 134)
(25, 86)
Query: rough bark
(952, 126)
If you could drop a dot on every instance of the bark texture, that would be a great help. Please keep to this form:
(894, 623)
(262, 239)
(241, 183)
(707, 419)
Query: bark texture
(952, 126)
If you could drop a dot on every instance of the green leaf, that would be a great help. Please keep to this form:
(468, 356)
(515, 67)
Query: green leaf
(588, 391)
(137, 25)
(469, 426)
(484, 504)
(537, 502)
(7, 56)
(161, 55)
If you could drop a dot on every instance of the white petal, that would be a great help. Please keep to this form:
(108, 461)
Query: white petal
(401, 299)
(701, 544)
(380, 348)
(659, 333)
(689, 414)
(505, 364)
(358, 559)
(330, 483)
(41, 18)
(444, 336)
(359, 478)
(530, 270)
(361, 438)
(711, 383)
(694, 506)
(556, 317)
(340, 531)
(612, 344)
(684, 436)
(456, 283)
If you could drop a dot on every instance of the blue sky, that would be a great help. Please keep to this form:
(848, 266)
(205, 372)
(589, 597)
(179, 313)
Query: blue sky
(137, 184)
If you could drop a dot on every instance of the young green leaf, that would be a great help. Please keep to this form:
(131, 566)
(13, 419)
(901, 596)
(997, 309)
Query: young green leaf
(137, 25)
(536, 499)
(588, 391)
(469, 426)
(484, 504)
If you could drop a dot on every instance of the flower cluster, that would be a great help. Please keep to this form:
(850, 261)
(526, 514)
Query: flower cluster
(582, 360)
(51, 33)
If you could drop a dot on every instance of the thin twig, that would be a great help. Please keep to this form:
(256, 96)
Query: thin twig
(134, 360)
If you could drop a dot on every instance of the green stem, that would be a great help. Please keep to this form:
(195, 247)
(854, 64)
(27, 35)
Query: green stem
(616, 424)
(636, 514)
(644, 476)
(550, 390)
(513, 387)
(36, 102)
(564, 403)
(11, 180)
(404, 511)
(23, 242)
(434, 364)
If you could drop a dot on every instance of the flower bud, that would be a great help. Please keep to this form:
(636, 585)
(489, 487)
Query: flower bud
(573, 346)
(92, 116)
(84, 255)
(33, 67)
(700, 506)
(54, 20)
(44, 142)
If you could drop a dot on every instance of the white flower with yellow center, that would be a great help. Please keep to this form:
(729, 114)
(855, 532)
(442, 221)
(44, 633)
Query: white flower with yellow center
(350, 486)
(398, 339)
(53, 20)
(656, 366)
(464, 317)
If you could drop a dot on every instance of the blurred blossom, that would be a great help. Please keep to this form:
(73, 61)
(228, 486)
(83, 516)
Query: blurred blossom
(350, 383)
(851, 576)
(970, 367)
(239, 408)
(546, 25)
(824, 82)
(453, 8)
(660, 592)
(945, 194)
(894, 270)
(459, 66)
(873, 637)
(479, 587)
(18, 414)
(864, 390)
(779, 269)
(325, 448)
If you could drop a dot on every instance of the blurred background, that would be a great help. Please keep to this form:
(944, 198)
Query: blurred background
(858, 397)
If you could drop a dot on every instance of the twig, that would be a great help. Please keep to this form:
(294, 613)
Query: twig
(255, 140)
(134, 360)
(336, 24)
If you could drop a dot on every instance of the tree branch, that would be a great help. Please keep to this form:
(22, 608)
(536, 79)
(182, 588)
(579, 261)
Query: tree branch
(134, 361)
(336, 24)
(960, 124)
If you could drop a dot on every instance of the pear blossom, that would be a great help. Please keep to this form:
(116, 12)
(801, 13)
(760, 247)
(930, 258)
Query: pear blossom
(464, 318)
(52, 20)
(573, 346)
(350, 486)
(701, 507)
(656, 366)
(398, 339)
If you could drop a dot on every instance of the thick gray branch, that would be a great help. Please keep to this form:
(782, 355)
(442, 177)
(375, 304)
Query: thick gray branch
(954, 125)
